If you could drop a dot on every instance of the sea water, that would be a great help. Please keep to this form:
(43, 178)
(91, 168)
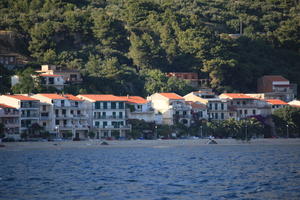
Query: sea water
(156, 173)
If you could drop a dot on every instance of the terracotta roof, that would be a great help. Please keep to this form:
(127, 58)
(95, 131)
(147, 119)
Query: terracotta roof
(51, 75)
(173, 96)
(237, 96)
(72, 97)
(5, 106)
(274, 78)
(196, 105)
(276, 102)
(102, 97)
(22, 97)
(53, 96)
(134, 99)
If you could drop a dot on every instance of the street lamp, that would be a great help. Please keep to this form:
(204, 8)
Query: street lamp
(246, 133)
(57, 131)
(155, 136)
(287, 131)
(201, 131)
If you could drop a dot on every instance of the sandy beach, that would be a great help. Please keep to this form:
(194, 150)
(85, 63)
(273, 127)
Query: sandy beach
(142, 143)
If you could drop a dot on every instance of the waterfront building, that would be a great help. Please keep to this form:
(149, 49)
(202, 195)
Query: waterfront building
(107, 115)
(139, 108)
(198, 112)
(63, 115)
(276, 104)
(10, 117)
(246, 106)
(52, 80)
(172, 107)
(275, 87)
(28, 110)
(217, 108)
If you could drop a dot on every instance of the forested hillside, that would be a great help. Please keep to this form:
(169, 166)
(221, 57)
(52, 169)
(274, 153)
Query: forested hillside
(126, 46)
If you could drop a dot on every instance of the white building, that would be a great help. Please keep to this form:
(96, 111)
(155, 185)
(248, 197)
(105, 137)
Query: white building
(107, 115)
(172, 107)
(276, 104)
(28, 110)
(217, 108)
(51, 80)
(10, 117)
(63, 114)
(246, 106)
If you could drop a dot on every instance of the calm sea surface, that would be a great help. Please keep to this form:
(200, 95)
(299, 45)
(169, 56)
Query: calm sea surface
(198, 172)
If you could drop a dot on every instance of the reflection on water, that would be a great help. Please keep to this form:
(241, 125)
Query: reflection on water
(202, 172)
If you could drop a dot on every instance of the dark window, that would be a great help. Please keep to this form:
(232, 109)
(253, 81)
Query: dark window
(97, 123)
(44, 124)
(254, 112)
(246, 112)
(222, 115)
(113, 105)
(210, 106)
(97, 105)
(44, 107)
(121, 105)
(184, 112)
(56, 122)
(244, 102)
(222, 106)
(216, 106)
(120, 115)
(238, 103)
(104, 124)
(104, 105)
(216, 116)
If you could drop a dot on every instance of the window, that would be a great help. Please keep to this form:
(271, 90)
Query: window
(103, 115)
(114, 115)
(121, 105)
(210, 106)
(44, 124)
(244, 102)
(97, 105)
(44, 107)
(216, 115)
(216, 106)
(222, 106)
(246, 112)
(113, 105)
(222, 115)
(104, 105)
(120, 115)
(56, 122)
(78, 112)
(104, 124)
(62, 102)
(97, 123)
(184, 112)
(238, 103)
(254, 112)
(241, 112)
(200, 114)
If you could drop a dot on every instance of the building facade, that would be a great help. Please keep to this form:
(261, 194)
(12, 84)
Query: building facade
(172, 107)
(10, 117)
(107, 115)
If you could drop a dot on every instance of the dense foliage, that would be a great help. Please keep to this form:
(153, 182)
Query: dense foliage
(123, 46)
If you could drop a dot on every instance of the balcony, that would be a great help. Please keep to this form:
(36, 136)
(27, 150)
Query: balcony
(34, 115)
(114, 128)
(30, 106)
(64, 116)
(11, 114)
(109, 117)
(80, 116)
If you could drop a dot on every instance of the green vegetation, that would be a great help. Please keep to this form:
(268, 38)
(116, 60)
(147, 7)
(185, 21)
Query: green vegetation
(125, 46)
(287, 122)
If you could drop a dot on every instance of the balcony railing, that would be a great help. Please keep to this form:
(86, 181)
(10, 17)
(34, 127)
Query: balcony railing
(29, 115)
(11, 114)
(109, 117)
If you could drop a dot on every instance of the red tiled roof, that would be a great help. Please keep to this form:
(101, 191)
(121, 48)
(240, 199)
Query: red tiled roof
(22, 97)
(53, 96)
(134, 99)
(173, 96)
(102, 97)
(276, 102)
(5, 106)
(72, 97)
(275, 78)
(237, 96)
(196, 105)
(51, 75)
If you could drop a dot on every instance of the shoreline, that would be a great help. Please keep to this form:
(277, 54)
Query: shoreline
(142, 143)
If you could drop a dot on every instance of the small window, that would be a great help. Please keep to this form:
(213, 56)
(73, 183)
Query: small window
(246, 112)
(238, 103)
(44, 124)
(254, 112)
(113, 105)
(121, 105)
(222, 115)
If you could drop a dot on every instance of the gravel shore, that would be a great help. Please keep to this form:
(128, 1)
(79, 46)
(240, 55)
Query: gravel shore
(141, 143)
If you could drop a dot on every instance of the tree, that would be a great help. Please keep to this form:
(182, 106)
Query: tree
(2, 135)
(287, 118)
(29, 82)
(4, 80)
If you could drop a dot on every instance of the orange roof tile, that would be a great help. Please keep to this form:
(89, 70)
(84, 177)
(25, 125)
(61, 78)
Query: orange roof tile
(22, 97)
(53, 96)
(237, 96)
(173, 96)
(72, 97)
(5, 106)
(275, 78)
(102, 97)
(276, 102)
(196, 105)
(134, 99)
